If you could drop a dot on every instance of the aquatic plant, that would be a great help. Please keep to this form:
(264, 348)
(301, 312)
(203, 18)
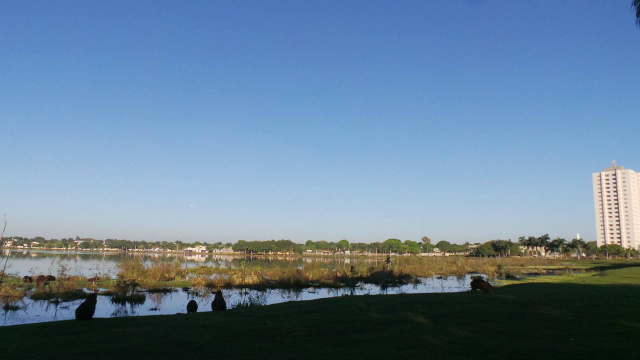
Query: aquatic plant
(52, 296)
(125, 291)
(11, 307)
(261, 273)
(120, 298)
(9, 295)
(248, 301)
(135, 269)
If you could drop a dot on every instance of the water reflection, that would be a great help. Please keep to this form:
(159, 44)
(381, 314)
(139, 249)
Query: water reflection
(125, 309)
(175, 301)
(156, 299)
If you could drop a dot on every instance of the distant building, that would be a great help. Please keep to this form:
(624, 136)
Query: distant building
(196, 249)
(616, 196)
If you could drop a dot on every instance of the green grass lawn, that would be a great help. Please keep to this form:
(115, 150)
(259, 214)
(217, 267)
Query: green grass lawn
(582, 316)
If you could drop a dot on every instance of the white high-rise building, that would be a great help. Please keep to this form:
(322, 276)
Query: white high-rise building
(617, 203)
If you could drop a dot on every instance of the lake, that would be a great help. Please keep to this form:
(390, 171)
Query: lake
(90, 264)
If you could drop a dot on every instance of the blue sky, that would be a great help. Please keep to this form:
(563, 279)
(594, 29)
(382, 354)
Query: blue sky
(322, 120)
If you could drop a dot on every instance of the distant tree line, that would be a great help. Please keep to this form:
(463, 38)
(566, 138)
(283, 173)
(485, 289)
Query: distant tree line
(560, 247)
(94, 244)
(393, 246)
(530, 246)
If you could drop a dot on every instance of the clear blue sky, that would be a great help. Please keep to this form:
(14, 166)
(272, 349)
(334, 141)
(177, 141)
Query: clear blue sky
(323, 120)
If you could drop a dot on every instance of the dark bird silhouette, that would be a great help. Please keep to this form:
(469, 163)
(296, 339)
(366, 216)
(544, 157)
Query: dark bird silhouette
(482, 285)
(192, 306)
(218, 303)
(27, 279)
(86, 310)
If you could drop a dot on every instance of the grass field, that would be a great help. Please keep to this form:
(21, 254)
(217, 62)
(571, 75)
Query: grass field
(570, 316)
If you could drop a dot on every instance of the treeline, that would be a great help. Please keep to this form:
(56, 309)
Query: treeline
(95, 244)
(525, 246)
(393, 246)
(544, 246)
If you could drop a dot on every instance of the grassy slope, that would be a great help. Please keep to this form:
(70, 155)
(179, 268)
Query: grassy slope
(580, 318)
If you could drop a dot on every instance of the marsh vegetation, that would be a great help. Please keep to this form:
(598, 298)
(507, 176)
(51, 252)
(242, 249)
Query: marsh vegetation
(143, 286)
(260, 273)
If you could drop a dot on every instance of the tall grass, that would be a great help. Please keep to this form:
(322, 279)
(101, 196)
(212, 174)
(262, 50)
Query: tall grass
(295, 273)
(287, 273)
(148, 275)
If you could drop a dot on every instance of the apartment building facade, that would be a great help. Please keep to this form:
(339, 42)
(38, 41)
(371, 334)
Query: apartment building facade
(617, 206)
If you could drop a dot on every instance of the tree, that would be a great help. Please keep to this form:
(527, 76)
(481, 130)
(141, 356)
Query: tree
(343, 244)
(485, 250)
(542, 242)
(636, 4)
(522, 241)
(67, 243)
(577, 246)
(427, 240)
(514, 249)
(359, 247)
(375, 247)
(557, 245)
(310, 245)
(393, 245)
(493, 248)
(322, 245)
(613, 250)
(412, 247)
(501, 247)
(530, 243)
(591, 248)
(428, 247)
(240, 245)
(444, 246)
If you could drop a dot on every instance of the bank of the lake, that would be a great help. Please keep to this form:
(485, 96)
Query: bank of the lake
(587, 316)
(170, 301)
(164, 286)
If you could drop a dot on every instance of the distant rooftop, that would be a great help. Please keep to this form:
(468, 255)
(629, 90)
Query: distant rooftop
(614, 167)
